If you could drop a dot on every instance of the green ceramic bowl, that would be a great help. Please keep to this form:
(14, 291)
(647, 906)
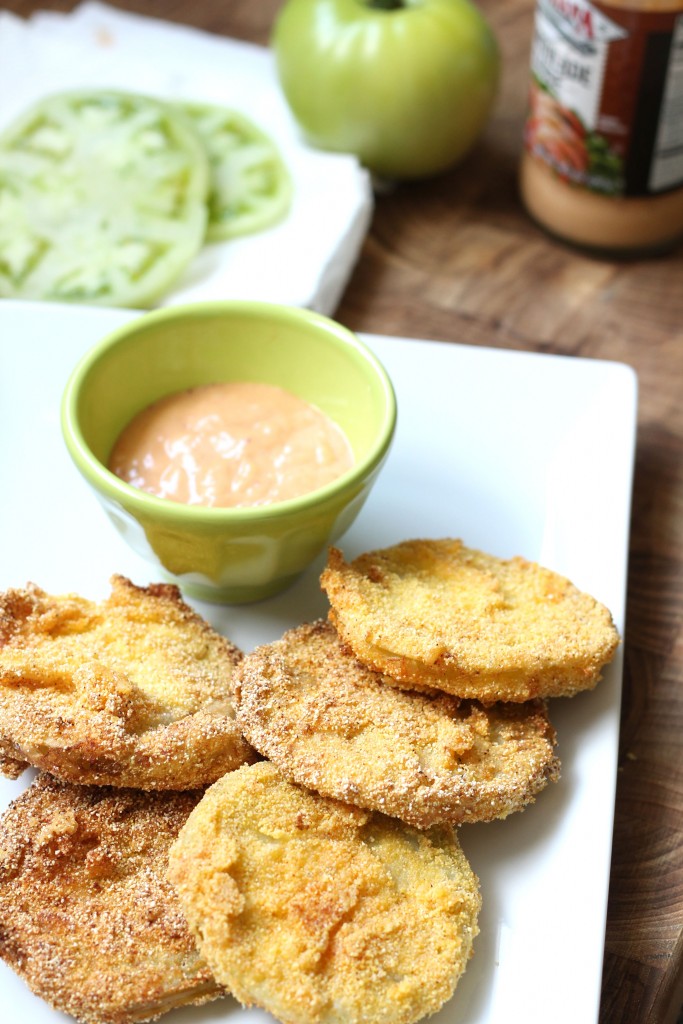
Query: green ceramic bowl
(221, 554)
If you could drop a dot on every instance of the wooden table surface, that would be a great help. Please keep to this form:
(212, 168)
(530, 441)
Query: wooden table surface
(457, 259)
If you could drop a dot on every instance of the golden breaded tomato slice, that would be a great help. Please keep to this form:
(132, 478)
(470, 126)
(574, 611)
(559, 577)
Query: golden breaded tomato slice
(322, 913)
(130, 691)
(435, 614)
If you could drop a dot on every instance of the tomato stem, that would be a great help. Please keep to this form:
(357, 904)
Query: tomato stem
(385, 5)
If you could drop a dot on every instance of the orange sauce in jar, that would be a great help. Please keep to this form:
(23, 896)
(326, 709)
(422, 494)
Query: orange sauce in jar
(603, 160)
(231, 445)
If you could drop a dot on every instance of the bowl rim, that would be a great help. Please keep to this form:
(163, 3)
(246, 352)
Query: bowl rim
(166, 510)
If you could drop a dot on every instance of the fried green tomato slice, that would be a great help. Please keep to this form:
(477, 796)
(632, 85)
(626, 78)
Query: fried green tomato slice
(434, 614)
(133, 690)
(102, 199)
(335, 726)
(319, 912)
(250, 186)
(88, 918)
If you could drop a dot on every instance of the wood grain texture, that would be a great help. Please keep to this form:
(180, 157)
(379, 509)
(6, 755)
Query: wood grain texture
(457, 259)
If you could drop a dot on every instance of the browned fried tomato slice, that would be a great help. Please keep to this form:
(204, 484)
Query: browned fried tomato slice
(89, 920)
(335, 726)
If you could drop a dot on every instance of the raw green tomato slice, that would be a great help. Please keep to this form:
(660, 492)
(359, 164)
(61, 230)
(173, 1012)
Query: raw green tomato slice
(250, 186)
(102, 199)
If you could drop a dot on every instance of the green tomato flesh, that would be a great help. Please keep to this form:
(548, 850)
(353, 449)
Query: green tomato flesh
(250, 187)
(407, 88)
(102, 199)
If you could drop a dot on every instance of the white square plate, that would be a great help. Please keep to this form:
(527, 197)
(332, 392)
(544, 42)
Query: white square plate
(514, 452)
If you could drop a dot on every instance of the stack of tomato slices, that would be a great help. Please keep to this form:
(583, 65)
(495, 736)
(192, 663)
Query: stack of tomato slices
(107, 196)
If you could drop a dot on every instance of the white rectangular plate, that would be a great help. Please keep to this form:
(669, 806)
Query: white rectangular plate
(516, 453)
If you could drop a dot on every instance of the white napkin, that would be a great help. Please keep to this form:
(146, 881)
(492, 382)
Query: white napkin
(304, 261)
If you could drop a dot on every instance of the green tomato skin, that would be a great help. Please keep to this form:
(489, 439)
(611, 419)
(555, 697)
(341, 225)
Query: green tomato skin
(408, 90)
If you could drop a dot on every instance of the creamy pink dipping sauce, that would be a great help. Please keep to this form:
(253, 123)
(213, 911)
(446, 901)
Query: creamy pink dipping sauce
(231, 445)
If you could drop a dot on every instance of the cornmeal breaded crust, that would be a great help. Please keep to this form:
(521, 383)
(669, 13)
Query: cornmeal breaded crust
(87, 916)
(132, 691)
(435, 614)
(319, 912)
(333, 725)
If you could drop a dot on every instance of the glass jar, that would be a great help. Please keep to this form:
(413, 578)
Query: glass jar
(603, 160)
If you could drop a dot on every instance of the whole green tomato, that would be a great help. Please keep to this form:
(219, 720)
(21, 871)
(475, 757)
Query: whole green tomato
(406, 85)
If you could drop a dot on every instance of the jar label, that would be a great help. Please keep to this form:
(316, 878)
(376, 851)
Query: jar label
(606, 96)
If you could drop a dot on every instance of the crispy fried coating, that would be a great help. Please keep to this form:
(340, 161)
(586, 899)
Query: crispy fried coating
(88, 918)
(333, 725)
(132, 691)
(434, 614)
(319, 912)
